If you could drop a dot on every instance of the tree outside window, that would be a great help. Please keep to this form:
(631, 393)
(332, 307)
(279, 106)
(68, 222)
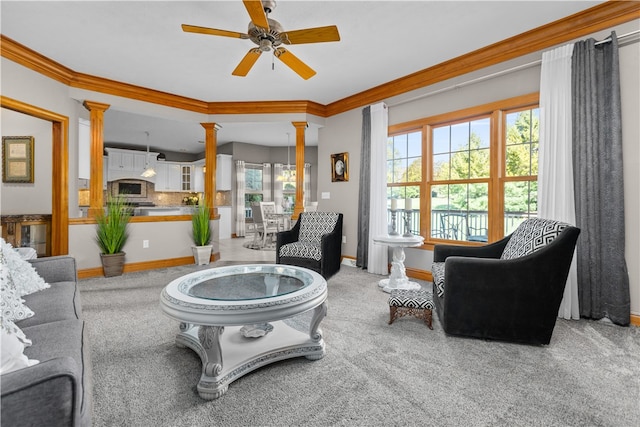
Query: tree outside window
(474, 194)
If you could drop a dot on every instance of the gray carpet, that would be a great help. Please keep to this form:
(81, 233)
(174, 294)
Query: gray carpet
(373, 373)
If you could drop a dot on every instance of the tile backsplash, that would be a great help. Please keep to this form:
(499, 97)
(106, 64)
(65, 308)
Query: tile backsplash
(160, 198)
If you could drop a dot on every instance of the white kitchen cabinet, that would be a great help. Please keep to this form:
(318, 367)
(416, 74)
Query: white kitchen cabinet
(197, 172)
(168, 176)
(105, 167)
(130, 164)
(224, 163)
(185, 178)
(225, 221)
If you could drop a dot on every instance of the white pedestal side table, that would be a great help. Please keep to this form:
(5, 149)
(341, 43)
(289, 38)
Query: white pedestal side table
(398, 278)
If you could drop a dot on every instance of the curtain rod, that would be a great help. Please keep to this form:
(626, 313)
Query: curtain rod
(493, 75)
(608, 39)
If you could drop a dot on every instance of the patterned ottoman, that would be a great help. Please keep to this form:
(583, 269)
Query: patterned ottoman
(418, 303)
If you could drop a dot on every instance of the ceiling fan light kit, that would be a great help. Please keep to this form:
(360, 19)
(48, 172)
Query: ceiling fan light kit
(268, 34)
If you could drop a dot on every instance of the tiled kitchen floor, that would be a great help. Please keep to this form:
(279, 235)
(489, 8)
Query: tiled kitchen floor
(232, 250)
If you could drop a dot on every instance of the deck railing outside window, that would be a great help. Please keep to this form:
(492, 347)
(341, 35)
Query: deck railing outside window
(469, 226)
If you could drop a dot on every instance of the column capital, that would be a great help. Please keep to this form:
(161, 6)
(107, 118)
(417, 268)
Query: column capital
(95, 106)
(213, 126)
(300, 124)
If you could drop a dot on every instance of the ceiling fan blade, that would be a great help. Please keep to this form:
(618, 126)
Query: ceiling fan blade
(292, 61)
(247, 62)
(213, 31)
(256, 13)
(311, 35)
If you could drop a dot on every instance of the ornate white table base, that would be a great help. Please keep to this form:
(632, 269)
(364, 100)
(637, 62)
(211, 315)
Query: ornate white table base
(227, 355)
(398, 278)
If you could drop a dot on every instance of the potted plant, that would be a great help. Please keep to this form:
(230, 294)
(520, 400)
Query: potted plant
(201, 233)
(112, 232)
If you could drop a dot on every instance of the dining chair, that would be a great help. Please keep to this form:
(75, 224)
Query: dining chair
(270, 221)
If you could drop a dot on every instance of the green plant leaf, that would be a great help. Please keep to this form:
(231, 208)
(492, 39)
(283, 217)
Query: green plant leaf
(112, 230)
(200, 221)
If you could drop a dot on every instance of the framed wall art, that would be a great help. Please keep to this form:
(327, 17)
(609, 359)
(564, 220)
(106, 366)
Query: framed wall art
(340, 167)
(17, 159)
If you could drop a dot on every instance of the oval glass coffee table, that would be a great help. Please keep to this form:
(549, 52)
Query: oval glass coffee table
(239, 318)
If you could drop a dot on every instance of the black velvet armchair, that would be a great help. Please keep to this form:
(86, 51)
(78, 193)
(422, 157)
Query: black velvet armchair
(315, 242)
(509, 290)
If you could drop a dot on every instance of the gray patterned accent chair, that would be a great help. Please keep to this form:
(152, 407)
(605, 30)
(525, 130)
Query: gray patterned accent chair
(315, 242)
(509, 290)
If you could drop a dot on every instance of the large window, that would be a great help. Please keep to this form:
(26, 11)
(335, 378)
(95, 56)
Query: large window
(459, 186)
(521, 167)
(404, 174)
(479, 170)
(252, 188)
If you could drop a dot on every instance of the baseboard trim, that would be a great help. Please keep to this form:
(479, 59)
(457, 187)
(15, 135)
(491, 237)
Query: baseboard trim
(635, 319)
(144, 265)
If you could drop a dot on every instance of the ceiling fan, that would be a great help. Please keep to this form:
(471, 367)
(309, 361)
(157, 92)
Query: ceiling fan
(268, 34)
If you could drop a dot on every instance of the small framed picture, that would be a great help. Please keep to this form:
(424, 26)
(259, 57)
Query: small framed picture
(340, 167)
(17, 155)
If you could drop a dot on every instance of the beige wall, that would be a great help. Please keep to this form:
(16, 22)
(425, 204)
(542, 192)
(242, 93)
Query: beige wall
(341, 134)
(29, 198)
(344, 130)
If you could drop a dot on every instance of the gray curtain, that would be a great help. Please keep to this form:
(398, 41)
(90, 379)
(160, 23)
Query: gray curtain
(603, 280)
(362, 253)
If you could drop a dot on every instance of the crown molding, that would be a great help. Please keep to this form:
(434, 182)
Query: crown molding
(270, 107)
(597, 18)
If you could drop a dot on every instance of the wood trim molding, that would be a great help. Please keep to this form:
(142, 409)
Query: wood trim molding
(59, 173)
(594, 19)
(96, 194)
(635, 319)
(267, 107)
(597, 18)
(210, 148)
(301, 127)
(145, 265)
(35, 61)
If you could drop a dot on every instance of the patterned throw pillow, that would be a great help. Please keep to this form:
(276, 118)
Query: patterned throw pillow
(437, 272)
(11, 305)
(531, 235)
(25, 278)
(314, 224)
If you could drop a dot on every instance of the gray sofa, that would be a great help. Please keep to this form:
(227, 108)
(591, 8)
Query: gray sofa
(56, 391)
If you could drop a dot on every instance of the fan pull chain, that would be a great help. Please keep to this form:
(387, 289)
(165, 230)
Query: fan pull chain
(273, 66)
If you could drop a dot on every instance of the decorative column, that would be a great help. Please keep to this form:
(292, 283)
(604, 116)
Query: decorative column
(300, 128)
(96, 202)
(210, 152)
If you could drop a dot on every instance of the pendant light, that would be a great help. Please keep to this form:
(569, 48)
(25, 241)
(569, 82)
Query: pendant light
(289, 173)
(148, 171)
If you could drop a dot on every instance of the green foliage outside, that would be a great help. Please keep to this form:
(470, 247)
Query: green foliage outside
(201, 227)
(522, 137)
(112, 230)
(521, 160)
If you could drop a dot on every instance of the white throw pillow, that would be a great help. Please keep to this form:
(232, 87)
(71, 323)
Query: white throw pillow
(11, 305)
(12, 328)
(12, 357)
(25, 278)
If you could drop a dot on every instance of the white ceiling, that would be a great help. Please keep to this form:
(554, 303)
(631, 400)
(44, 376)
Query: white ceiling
(142, 43)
